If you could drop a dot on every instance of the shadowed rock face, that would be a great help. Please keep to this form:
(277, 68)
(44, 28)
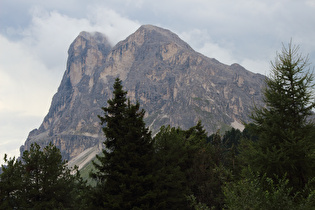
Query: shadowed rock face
(72, 123)
(173, 83)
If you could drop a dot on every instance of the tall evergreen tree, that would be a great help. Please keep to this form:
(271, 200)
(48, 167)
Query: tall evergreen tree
(124, 171)
(285, 145)
(171, 183)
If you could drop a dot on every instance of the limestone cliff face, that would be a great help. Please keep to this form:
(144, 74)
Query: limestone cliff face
(178, 86)
(173, 83)
(72, 122)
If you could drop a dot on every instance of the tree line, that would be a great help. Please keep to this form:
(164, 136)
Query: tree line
(268, 165)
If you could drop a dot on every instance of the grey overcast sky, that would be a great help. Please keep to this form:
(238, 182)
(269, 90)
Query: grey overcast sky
(35, 36)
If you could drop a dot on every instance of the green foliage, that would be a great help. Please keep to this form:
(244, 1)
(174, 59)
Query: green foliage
(248, 193)
(124, 172)
(285, 144)
(226, 149)
(277, 150)
(11, 183)
(189, 167)
(195, 204)
(39, 180)
(200, 166)
(85, 173)
(171, 183)
(257, 191)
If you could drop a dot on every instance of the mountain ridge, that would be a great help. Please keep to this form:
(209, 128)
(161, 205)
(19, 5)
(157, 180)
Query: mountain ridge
(173, 83)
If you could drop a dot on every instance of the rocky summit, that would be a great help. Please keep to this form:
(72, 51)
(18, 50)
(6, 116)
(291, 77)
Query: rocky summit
(175, 85)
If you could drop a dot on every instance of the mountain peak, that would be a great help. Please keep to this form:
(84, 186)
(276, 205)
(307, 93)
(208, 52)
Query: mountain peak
(93, 47)
(154, 35)
(151, 28)
(174, 84)
(94, 36)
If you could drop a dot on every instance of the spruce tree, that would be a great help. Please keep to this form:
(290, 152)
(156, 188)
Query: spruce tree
(285, 146)
(170, 155)
(124, 171)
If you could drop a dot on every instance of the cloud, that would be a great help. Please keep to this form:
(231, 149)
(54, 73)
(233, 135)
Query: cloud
(310, 3)
(14, 128)
(112, 24)
(24, 79)
(50, 33)
(202, 42)
(31, 68)
(260, 66)
(26, 89)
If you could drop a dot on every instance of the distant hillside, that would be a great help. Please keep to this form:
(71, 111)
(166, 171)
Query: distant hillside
(173, 83)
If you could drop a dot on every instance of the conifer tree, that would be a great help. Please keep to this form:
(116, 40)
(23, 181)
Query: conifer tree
(40, 180)
(11, 184)
(125, 172)
(285, 146)
(189, 171)
(170, 155)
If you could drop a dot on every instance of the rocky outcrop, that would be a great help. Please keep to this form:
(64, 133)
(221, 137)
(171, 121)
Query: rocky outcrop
(173, 83)
(72, 123)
